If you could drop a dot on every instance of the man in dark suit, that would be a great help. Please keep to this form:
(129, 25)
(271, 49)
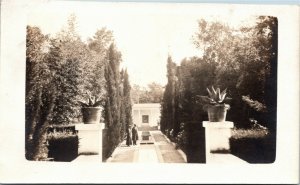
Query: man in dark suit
(128, 136)
(135, 135)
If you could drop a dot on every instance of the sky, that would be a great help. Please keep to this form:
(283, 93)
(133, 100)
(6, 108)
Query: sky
(145, 33)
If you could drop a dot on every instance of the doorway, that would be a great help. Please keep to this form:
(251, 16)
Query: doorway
(145, 119)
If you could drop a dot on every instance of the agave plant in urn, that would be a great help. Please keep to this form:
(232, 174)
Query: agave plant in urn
(216, 104)
(91, 110)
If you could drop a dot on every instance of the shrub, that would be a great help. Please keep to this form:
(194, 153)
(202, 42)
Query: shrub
(61, 128)
(249, 133)
(193, 142)
(254, 145)
(171, 134)
(181, 138)
(256, 111)
(256, 105)
(63, 146)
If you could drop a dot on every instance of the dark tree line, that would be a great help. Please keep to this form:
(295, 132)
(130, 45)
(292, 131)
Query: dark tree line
(62, 69)
(243, 60)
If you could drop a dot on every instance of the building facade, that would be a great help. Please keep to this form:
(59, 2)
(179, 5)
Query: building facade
(146, 114)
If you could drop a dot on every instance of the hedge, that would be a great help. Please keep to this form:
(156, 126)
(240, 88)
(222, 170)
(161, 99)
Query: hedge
(62, 146)
(253, 145)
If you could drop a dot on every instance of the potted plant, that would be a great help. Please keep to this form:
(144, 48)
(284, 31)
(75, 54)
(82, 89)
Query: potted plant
(91, 110)
(215, 104)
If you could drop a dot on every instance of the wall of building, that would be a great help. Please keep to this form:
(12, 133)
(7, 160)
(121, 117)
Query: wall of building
(152, 111)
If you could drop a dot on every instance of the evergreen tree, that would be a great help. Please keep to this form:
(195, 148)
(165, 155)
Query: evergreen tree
(113, 100)
(127, 99)
(168, 103)
(122, 107)
(126, 106)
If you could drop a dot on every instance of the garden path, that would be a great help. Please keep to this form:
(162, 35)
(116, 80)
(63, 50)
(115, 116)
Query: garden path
(161, 151)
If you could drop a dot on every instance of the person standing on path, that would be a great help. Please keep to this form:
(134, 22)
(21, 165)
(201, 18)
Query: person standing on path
(135, 135)
(128, 136)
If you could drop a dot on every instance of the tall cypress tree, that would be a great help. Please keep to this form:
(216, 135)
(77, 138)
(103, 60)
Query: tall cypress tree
(113, 101)
(168, 103)
(127, 99)
(122, 107)
(125, 106)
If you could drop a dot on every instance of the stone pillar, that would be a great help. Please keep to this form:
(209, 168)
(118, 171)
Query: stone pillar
(90, 139)
(151, 120)
(217, 136)
(139, 123)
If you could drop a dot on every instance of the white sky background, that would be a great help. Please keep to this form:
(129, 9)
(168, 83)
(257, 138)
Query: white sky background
(144, 33)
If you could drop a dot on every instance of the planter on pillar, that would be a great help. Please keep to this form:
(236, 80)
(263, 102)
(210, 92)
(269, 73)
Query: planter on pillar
(91, 110)
(217, 130)
(215, 104)
(90, 132)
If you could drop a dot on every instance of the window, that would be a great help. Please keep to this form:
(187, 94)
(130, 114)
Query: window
(145, 118)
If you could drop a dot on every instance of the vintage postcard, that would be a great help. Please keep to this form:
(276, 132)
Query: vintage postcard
(132, 92)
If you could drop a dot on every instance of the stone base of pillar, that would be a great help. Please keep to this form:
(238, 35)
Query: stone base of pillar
(90, 139)
(217, 136)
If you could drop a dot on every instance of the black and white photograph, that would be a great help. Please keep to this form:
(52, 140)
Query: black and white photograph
(153, 87)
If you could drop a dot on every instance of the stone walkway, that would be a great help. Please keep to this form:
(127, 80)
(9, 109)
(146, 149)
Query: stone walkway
(162, 151)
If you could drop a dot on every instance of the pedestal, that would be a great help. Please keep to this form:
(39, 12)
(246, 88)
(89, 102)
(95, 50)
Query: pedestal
(217, 136)
(90, 139)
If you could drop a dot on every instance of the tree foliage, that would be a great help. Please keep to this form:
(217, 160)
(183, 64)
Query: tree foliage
(243, 60)
(113, 99)
(62, 70)
(126, 104)
(151, 94)
(168, 104)
(40, 94)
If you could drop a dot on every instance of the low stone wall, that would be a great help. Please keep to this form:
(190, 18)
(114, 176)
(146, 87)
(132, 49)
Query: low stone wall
(147, 128)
